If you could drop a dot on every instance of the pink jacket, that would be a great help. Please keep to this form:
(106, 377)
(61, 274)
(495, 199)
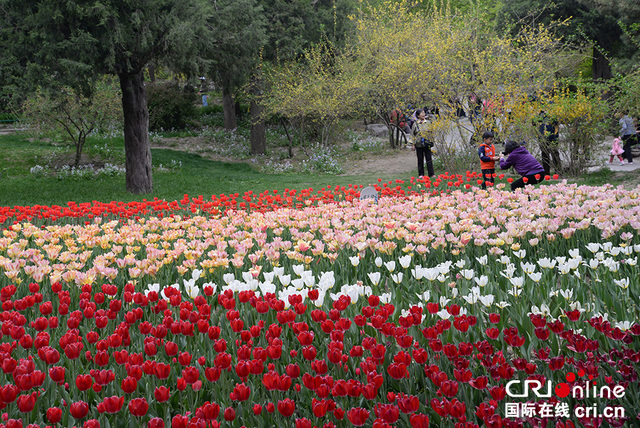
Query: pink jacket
(616, 147)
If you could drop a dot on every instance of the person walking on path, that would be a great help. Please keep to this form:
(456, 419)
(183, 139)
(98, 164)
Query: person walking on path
(518, 157)
(488, 158)
(423, 141)
(627, 134)
(616, 150)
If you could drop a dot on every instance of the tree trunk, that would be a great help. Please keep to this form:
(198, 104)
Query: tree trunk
(229, 107)
(286, 131)
(152, 73)
(238, 110)
(136, 133)
(601, 69)
(79, 145)
(258, 128)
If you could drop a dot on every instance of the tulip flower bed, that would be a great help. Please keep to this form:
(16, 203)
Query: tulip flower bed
(416, 310)
(249, 201)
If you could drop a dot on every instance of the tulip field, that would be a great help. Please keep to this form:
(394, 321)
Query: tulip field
(439, 304)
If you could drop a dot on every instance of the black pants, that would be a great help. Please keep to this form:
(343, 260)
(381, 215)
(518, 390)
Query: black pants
(424, 153)
(550, 155)
(487, 175)
(629, 141)
(531, 179)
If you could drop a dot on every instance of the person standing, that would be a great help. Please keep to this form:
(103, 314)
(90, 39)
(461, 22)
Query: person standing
(487, 155)
(203, 91)
(523, 162)
(422, 142)
(627, 133)
(549, 137)
(616, 150)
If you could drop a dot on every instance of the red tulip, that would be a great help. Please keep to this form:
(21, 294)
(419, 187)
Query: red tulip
(102, 377)
(303, 423)
(156, 423)
(171, 348)
(8, 393)
(9, 365)
(79, 409)
(111, 404)
(184, 358)
(212, 373)
(162, 394)
(397, 371)
(418, 420)
(26, 403)
(14, 423)
(57, 373)
(389, 412)
(358, 416)
(309, 352)
(129, 384)
(457, 409)
(179, 421)
(54, 414)
(409, 403)
(138, 407)
(542, 333)
(498, 392)
(240, 392)
(556, 363)
(479, 382)
(492, 333)
(286, 407)
(229, 414)
(190, 374)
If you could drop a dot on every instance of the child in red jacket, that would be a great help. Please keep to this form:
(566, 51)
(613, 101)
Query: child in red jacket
(488, 158)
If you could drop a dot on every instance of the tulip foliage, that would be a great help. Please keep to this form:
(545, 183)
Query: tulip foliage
(409, 311)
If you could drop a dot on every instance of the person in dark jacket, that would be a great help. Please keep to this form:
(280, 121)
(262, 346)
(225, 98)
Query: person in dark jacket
(523, 162)
(423, 141)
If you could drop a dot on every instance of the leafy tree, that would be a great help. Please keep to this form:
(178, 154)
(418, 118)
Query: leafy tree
(295, 27)
(58, 42)
(73, 114)
(235, 36)
(312, 94)
(433, 58)
(586, 23)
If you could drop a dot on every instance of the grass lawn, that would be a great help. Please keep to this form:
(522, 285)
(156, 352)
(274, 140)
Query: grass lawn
(196, 175)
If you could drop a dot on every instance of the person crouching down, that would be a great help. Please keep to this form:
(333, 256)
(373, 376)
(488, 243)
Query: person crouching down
(487, 154)
(523, 162)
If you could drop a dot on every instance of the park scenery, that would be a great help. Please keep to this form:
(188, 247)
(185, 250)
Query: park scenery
(210, 214)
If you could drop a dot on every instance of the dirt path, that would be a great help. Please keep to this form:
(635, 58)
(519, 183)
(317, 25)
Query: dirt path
(400, 161)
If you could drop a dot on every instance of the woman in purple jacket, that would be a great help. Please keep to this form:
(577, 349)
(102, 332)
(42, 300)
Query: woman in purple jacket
(523, 162)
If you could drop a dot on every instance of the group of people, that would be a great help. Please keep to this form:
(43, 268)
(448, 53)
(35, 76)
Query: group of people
(514, 155)
(628, 137)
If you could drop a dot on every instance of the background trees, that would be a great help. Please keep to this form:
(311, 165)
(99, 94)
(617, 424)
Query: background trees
(73, 43)
(403, 57)
(230, 48)
(322, 60)
(75, 115)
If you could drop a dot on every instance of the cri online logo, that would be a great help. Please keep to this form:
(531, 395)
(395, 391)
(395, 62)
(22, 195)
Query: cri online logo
(562, 390)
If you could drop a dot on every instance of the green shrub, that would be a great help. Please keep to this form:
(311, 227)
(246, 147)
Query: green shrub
(8, 118)
(212, 116)
(169, 107)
